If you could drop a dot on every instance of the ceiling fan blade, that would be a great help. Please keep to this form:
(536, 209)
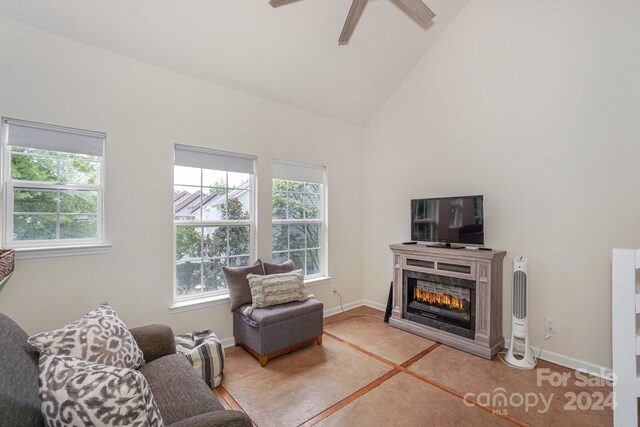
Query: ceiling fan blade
(418, 8)
(276, 3)
(352, 19)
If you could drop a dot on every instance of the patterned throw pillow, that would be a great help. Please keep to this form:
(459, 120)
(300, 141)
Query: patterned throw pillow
(276, 289)
(80, 393)
(99, 337)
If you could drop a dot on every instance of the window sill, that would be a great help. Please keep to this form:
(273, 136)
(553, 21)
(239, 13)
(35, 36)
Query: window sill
(195, 304)
(316, 280)
(56, 251)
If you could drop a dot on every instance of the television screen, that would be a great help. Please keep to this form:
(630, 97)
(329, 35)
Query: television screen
(448, 220)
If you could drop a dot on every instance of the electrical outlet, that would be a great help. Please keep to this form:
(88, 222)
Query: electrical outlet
(334, 290)
(550, 325)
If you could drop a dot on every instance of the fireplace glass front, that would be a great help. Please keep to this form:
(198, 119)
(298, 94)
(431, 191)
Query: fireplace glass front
(443, 302)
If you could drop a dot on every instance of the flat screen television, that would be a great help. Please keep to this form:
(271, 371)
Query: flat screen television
(448, 220)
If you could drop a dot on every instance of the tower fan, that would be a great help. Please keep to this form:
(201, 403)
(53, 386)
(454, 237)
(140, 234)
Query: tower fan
(519, 318)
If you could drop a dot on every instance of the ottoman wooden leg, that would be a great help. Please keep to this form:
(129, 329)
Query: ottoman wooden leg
(319, 339)
(263, 360)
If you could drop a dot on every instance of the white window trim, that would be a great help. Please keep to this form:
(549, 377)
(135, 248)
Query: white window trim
(205, 299)
(29, 249)
(198, 303)
(58, 251)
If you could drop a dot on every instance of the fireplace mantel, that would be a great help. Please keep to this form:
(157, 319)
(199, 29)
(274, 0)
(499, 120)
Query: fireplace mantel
(481, 268)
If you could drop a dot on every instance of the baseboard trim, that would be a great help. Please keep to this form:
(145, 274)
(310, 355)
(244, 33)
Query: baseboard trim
(228, 342)
(347, 307)
(373, 304)
(571, 362)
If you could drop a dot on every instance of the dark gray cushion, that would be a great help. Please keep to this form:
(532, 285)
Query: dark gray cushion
(236, 278)
(277, 313)
(19, 398)
(177, 389)
(285, 267)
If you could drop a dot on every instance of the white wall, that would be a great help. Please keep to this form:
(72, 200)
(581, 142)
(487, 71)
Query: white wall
(145, 110)
(536, 105)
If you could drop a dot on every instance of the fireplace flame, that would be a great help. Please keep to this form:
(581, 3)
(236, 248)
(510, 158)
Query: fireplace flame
(437, 298)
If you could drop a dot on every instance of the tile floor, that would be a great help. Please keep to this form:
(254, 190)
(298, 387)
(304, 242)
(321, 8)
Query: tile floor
(367, 373)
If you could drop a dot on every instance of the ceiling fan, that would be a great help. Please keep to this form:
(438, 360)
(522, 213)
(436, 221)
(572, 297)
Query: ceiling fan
(416, 7)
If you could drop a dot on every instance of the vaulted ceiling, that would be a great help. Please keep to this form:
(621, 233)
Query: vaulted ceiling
(288, 54)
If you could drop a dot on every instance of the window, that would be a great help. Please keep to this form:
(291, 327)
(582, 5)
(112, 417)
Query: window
(213, 216)
(53, 180)
(298, 221)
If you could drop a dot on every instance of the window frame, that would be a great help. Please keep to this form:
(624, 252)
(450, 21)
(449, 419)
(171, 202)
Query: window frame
(321, 221)
(9, 186)
(179, 300)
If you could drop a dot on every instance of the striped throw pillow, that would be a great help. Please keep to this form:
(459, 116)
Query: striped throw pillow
(204, 350)
(274, 289)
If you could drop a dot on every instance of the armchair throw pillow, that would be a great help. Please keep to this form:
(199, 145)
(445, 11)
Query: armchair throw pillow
(236, 278)
(77, 392)
(98, 337)
(285, 267)
(276, 289)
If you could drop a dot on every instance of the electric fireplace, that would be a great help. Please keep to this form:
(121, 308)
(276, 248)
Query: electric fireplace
(443, 302)
(452, 296)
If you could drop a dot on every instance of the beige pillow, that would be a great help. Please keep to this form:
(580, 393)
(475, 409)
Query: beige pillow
(276, 289)
(236, 278)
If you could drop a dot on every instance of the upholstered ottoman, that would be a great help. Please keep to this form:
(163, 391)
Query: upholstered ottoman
(272, 331)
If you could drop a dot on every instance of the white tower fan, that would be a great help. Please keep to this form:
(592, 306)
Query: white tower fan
(519, 317)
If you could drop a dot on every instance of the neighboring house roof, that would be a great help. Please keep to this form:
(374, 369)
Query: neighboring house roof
(194, 198)
(204, 203)
(180, 197)
(187, 205)
(237, 192)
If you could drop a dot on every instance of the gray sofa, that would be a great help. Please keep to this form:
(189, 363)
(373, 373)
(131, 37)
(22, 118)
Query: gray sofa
(182, 396)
